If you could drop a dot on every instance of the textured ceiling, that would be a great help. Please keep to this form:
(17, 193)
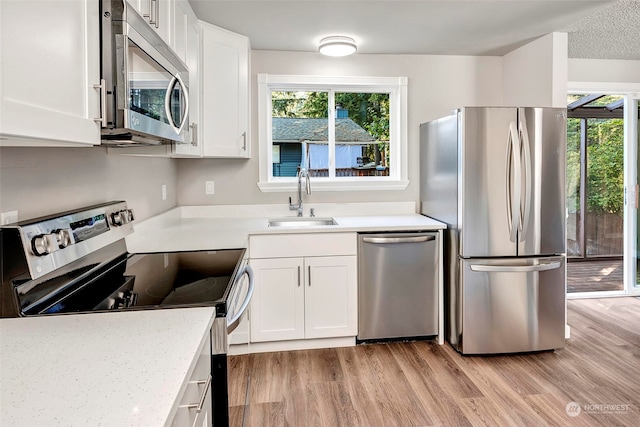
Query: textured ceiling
(598, 29)
(612, 32)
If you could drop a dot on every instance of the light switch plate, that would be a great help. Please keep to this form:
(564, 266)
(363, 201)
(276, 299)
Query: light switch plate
(164, 191)
(209, 187)
(8, 217)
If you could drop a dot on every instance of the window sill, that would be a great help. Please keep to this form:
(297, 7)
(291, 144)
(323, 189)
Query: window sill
(371, 184)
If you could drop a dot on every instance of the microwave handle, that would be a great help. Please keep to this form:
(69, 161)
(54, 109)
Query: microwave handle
(167, 103)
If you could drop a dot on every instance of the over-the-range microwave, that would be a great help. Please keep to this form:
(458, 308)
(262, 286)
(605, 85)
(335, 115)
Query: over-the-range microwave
(145, 86)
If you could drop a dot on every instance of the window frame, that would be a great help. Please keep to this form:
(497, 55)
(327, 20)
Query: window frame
(398, 158)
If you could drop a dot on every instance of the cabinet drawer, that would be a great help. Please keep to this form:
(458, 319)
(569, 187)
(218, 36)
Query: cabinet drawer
(302, 245)
(197, 386)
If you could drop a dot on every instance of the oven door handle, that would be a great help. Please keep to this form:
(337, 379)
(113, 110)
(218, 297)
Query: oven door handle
(252, 284)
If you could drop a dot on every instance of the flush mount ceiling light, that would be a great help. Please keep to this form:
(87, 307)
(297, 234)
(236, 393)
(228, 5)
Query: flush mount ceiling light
(337, 46)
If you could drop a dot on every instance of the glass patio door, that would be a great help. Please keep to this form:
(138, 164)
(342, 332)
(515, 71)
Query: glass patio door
(632, 181)
(595, 192)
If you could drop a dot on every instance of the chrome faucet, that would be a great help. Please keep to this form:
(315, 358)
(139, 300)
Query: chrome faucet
(303, 172)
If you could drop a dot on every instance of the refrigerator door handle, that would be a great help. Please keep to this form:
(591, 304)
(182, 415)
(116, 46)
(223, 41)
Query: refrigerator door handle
(526, 149)
(513, 169)
(543, 266)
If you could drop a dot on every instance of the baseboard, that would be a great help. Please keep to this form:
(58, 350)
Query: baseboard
(265, 347)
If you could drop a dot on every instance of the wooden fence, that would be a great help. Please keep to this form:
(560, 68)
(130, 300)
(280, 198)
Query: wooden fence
(341, 172)
(603, 232)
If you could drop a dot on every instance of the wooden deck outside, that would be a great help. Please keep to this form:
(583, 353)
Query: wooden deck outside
(597, 275)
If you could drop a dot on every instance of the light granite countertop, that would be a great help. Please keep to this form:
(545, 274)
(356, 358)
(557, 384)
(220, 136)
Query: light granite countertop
(99, 369)
(229, 227)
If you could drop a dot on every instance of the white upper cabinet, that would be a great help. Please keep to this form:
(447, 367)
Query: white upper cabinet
(186, 44)
(159, 15)
(50, 64)
(224, 87)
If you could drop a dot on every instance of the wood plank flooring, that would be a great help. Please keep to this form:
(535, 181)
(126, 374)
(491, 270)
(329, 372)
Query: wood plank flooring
(423, 384)
(595, 275)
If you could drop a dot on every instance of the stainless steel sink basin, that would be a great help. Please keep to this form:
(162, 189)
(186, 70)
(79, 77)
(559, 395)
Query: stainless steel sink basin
(301, 222)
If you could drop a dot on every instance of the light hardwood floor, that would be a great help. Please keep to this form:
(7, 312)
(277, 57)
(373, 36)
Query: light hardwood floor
(424, 384)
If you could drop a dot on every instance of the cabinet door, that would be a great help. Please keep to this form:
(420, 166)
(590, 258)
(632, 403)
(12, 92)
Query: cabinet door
(277, 305)
(194, 147)
(181, 15)
(331, 297)
(159, 15)
(50, 62)
(165, 19)
(225, 93)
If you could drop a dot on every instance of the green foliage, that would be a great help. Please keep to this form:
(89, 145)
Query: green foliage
(369, 110)
(573, 165)
(605, 159)
(286, 104)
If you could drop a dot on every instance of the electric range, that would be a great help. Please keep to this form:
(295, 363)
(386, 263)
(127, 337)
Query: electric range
(77, 262)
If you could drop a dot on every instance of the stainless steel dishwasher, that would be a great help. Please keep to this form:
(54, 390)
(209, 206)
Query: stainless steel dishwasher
(397, 285)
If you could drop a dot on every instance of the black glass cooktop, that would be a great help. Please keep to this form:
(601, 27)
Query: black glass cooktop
(138, 281)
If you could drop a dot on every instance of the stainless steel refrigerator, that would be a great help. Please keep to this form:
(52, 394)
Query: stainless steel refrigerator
(496, 177)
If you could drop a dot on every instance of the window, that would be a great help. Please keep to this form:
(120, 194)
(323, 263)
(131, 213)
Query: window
(348, 132)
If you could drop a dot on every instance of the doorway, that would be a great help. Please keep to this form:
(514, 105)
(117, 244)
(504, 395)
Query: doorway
(602, 140)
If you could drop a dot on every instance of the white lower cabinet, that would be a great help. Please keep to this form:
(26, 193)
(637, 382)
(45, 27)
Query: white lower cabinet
(330, 297)
(277, 306)
(195, 407)
(304, 298)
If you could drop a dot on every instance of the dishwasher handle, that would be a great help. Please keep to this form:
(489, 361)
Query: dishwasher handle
(395, 240)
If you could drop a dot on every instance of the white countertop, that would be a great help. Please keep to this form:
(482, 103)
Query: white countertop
(107, 369)
(229, 227)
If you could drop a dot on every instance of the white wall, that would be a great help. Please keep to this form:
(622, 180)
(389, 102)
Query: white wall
(39, 181)
(437, 85)
(535, 75)
(604, 70)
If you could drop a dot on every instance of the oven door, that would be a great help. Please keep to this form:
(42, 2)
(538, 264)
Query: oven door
(237, 303)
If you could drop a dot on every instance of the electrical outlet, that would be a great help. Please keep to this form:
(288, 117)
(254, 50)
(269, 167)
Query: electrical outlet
(164, 191)
(8, 217)
(209, 187)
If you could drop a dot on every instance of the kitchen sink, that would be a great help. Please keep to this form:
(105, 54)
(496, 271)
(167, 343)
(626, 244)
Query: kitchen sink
(301, 222)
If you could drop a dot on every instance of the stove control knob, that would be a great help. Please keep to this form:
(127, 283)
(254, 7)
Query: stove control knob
(44, 244)
(63, 237)
(116, 218)
(125, 216)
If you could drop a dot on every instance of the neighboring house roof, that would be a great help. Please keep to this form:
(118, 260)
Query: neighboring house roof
(293, 129)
